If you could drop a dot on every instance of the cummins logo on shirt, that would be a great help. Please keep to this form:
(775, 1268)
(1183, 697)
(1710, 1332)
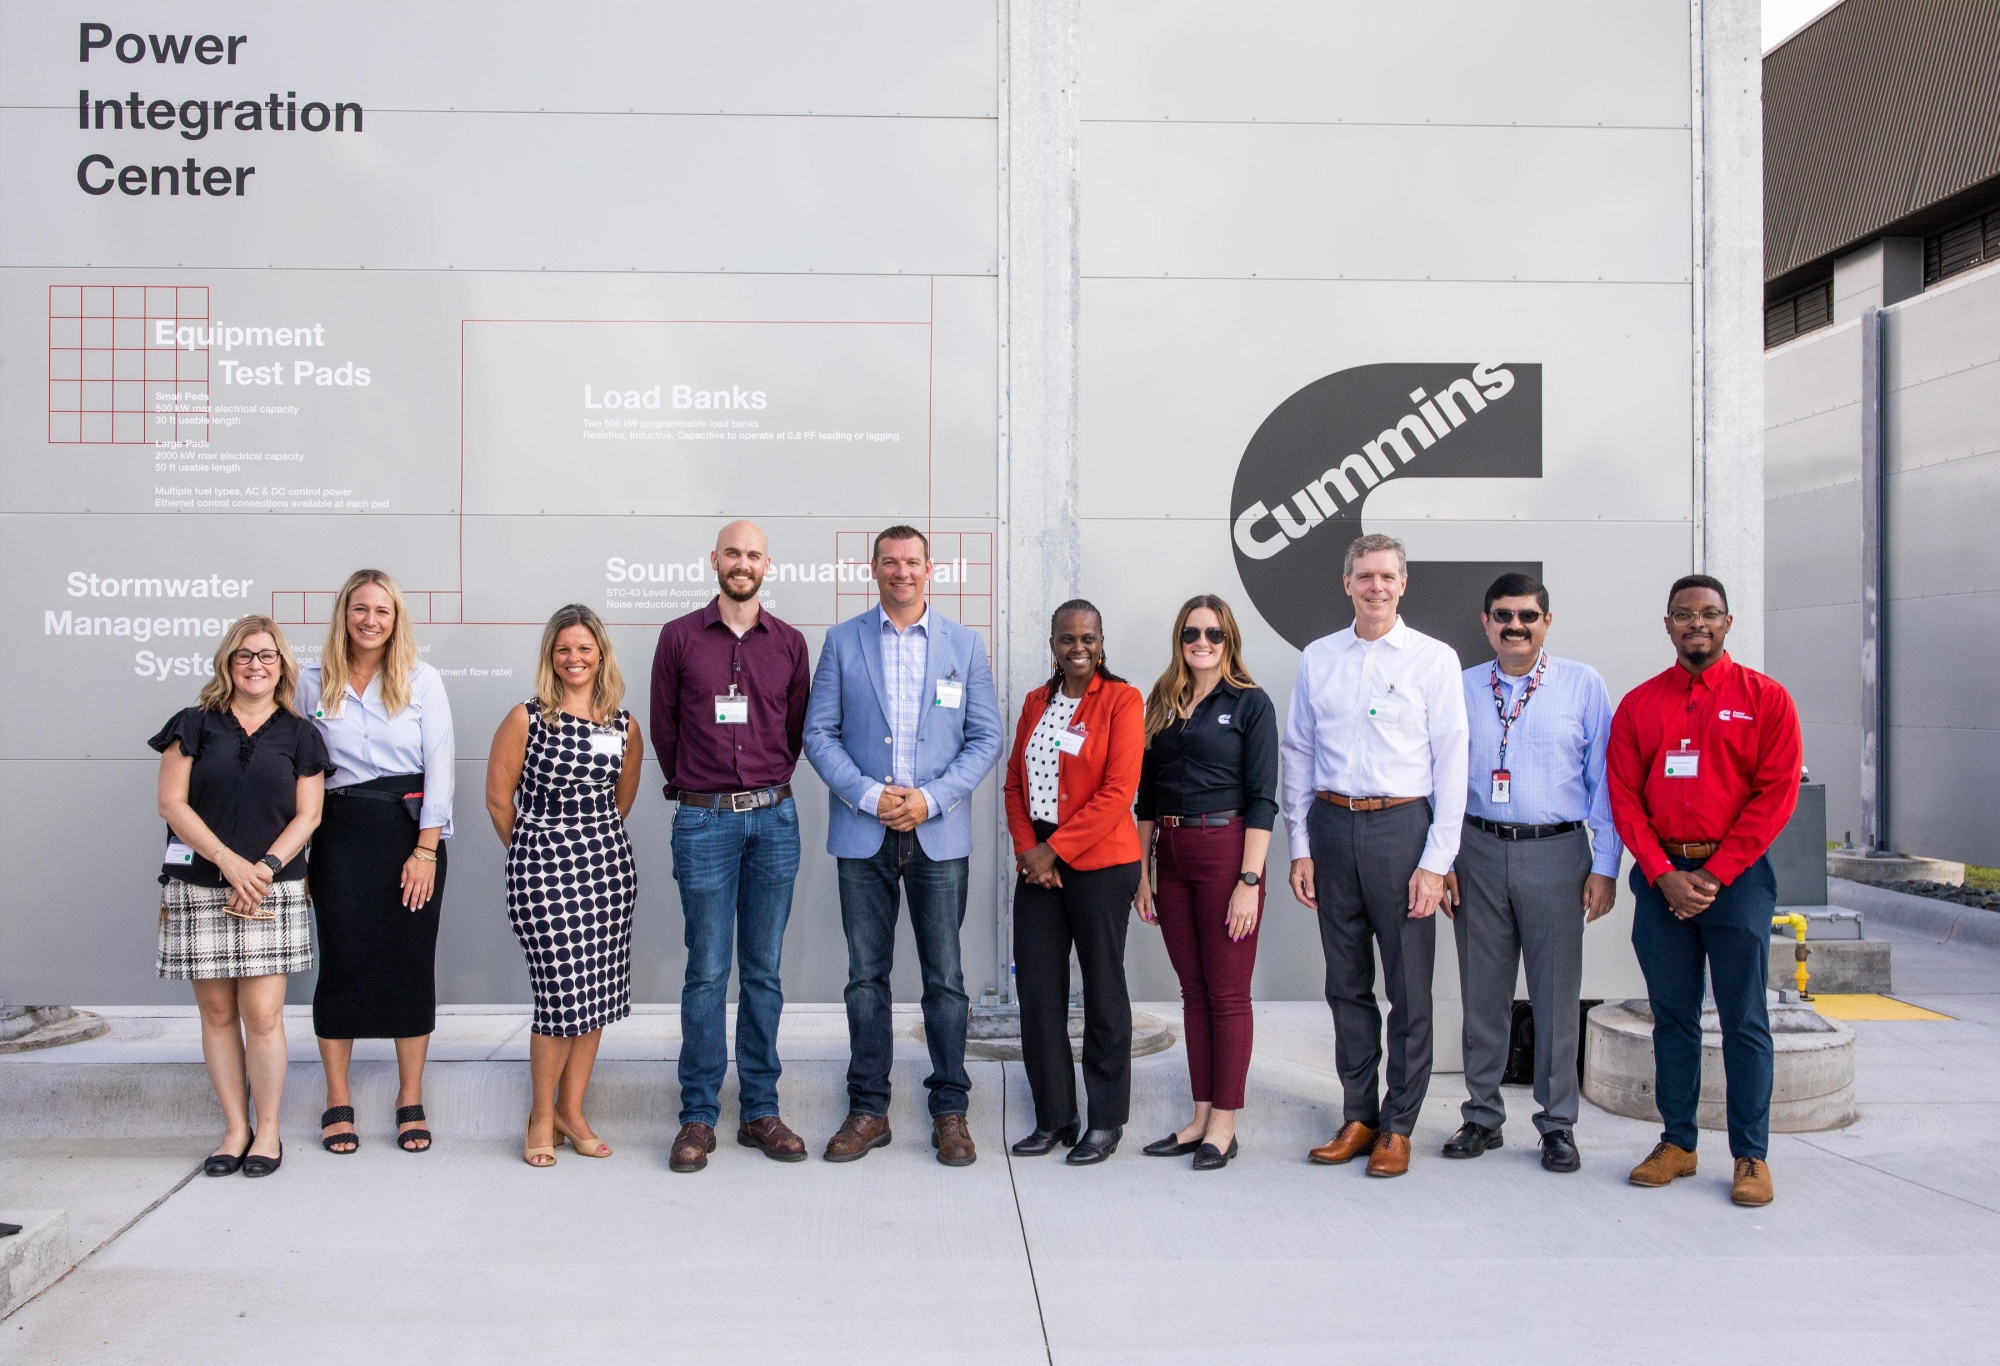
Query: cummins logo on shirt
(1306, 475)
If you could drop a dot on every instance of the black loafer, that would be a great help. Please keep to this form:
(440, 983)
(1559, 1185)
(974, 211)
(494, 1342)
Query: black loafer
(1559, 1152)
(1473, 1139)
(1094, 1147)
(1209, 1158)
(226, 1164)
(1170, 1146)
(254, 1165)
(1043, 1141)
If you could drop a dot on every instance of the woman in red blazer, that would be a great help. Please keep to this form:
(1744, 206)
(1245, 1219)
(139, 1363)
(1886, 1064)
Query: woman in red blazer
(1078, 749)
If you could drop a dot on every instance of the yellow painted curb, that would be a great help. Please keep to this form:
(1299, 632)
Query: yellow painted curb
(1871, 1006)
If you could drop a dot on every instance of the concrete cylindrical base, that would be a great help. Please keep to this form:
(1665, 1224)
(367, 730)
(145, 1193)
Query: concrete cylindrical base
(1812, 1089)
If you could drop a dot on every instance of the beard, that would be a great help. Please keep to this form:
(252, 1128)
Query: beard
(733, 590)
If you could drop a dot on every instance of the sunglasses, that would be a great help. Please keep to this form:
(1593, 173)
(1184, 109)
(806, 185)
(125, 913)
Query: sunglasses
(1507, 616)
(1190, 634)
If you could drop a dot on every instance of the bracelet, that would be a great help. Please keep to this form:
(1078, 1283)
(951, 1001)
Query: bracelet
(424, 855)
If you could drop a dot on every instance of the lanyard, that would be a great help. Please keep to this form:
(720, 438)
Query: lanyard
(1520, 703)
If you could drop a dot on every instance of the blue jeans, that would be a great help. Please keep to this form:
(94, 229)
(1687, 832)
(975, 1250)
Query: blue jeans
(1733, 938)
(936, 892)
(735, 871)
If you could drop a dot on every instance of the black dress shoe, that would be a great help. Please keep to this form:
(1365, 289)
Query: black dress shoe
(1043, 1141)
(226, 1164)
(1559, 1152)
(1170, 1146)
(1473, 1139)
(1209, 1158)
(1095, 1146)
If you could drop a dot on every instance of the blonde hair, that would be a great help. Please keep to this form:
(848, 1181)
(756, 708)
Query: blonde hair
(1172, 698)
(609, 689)
(220, 691)
(399, 657)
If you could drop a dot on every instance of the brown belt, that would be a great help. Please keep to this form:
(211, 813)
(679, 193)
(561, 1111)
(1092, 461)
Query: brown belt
(1367, 803)
(1690, 850)
(735, 801)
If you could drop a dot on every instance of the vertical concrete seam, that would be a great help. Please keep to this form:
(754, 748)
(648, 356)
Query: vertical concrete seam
(1027, 1251)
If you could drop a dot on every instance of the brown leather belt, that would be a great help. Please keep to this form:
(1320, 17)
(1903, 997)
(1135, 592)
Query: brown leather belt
(1205, 818)
(1690, 850)
(735, 801)
(1367, 803)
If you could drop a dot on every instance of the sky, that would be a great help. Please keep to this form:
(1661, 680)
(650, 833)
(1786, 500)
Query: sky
(1783, 18)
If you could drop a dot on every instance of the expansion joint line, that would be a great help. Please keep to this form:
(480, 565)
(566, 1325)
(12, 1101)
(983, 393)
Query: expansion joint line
(128, 1226)
(1026, 1251)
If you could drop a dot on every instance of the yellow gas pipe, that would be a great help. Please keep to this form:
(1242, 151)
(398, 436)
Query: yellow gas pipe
(1798, 924)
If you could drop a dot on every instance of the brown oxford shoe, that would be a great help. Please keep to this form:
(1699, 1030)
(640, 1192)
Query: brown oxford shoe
(856, 1137)
(1663, 1165)
(770, 1135)
(953, 1141)
(1354, 1139)
(692, 1145)
(1391, 1156)
(1752, 1185)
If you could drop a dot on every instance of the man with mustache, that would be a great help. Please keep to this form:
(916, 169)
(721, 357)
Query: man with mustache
(1528, 876)
(1704, 773)
(729, 712)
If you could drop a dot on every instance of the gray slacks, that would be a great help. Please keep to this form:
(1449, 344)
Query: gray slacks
(1521, 899)
(1362, 863)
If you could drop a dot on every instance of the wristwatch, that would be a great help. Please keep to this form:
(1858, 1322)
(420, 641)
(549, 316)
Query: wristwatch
(273, 862)
(1249, 879)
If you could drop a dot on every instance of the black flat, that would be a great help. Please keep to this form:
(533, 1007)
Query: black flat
(256, 1164)
(1094, 1147)
(1210, 1158)
(1043, 1141)
(1170, 1146)
(226, 1164)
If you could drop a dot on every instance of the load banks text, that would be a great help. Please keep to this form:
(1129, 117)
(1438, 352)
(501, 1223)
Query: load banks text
(684, 396)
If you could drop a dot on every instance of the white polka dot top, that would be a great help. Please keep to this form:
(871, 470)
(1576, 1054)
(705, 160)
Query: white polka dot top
(1045, 755)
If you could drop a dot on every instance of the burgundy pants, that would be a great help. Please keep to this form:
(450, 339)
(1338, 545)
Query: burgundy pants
(1198, 873)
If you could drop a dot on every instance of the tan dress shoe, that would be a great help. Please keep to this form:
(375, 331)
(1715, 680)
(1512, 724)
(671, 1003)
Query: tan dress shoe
(1662, 1165)
(953, 1141)
(1753, 1182)
(856, 1137)
(1391, 1156)
(771, 1135)
(1354, 1139)
(692, 1145)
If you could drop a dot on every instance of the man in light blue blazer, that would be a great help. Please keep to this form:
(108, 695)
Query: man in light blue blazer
(903, 724)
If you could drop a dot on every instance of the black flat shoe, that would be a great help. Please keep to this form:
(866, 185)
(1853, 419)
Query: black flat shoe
(225, 1164)
(1559, 1152)
(1473, 1139)
(1094, 1147)
(1209, 1158)
(339, 1144)
(1043, 1141)
(1170, 1146)
(255, 1164)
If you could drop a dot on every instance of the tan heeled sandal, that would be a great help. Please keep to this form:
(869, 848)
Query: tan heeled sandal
(562, 1132)
(529, 1153)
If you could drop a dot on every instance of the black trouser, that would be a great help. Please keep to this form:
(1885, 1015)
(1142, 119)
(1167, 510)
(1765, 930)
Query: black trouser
(1090, 911)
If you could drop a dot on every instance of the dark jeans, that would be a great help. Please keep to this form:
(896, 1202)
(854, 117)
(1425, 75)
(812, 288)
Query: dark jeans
(735, 871)
(1199, 866)
(935, 890)
(1733, 938)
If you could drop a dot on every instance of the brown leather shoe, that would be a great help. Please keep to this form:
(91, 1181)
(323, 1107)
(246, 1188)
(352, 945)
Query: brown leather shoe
(953, 1141)
(1662, 1165)
(692, 1145)
(856, 1137)
(1354, 1139)
(1753, 1182)
(1391, 1156)
(778, 1143)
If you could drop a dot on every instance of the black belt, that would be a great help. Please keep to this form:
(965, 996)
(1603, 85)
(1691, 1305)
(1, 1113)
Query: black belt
(387, 789)
(1205, 818)
(735, 801)
(1523, 832)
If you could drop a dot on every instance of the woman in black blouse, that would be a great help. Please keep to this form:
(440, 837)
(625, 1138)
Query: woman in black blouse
(1209, 787)
(242, 777)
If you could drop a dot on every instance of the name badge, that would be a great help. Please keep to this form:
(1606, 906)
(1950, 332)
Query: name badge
(732, 711)
(1502, 791)
(608, 743)
(1683, 763)
(950, 693)
(1070, 739)
(178, 855)
(1387, 707)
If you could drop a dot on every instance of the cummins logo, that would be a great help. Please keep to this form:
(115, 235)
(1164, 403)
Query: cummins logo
(1307, 473)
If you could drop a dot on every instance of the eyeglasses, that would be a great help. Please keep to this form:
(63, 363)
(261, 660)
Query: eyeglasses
(1507, 616)
(1190, 634)
(248, 657)
(1707, 616)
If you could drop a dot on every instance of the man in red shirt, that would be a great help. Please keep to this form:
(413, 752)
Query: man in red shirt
(1704, 773)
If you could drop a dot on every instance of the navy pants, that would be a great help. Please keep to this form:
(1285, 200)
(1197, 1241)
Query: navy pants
(1732, 938)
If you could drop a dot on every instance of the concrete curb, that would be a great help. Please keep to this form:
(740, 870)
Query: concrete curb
(32, 1259)
(1941, 920)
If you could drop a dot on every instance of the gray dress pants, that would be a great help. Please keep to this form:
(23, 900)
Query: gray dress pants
(1362, 863)
(1521, 899)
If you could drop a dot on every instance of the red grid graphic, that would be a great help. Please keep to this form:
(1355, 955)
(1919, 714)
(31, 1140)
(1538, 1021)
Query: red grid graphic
(295, 607)
(110, 381)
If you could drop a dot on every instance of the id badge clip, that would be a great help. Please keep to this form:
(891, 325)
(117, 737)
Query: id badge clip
(607, 744)
(178, 855)
(732, 710)
(1683, 763)
(950, 693)
(1070, 740)
(1502, 791)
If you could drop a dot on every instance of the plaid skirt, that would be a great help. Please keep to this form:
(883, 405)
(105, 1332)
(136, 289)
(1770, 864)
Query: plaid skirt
(200, 940)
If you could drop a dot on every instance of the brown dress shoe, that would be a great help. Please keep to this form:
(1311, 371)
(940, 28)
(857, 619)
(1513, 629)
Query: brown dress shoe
(1354, 1139)
(1391, 1156)
(778, 1143)
(1662, 1165)
(1753, 1182)
(692, 1145)
(953, 1141)
(856, 1137)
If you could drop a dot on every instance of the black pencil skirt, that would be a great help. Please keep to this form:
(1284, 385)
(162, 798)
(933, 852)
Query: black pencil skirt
(377, 958)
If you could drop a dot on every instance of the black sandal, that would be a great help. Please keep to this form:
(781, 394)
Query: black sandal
(226, 1164)
(404, 1140)
(255, 1164)
(339, 1114)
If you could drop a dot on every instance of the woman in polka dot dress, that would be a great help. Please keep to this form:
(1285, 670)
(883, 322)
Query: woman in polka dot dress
(563, 775)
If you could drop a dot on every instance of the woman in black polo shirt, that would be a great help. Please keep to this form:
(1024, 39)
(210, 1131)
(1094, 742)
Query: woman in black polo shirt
(1209, 787)
(242, 776)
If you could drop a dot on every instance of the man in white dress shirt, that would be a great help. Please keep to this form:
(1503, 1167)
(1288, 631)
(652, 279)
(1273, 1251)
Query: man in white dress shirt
(1374, 797)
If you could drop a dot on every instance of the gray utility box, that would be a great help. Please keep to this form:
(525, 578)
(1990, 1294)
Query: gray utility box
(1798, 855)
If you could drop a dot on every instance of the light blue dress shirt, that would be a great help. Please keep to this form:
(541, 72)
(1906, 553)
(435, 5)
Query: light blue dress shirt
(906, 657)
(1555, 753)
(365, 742)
